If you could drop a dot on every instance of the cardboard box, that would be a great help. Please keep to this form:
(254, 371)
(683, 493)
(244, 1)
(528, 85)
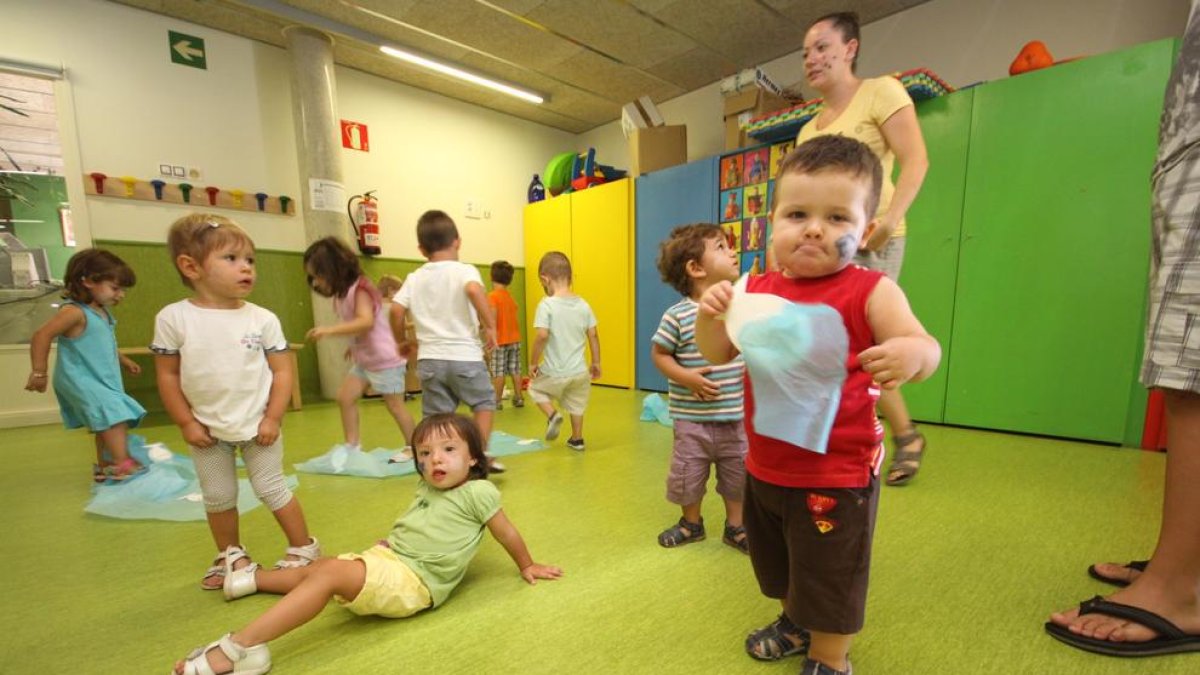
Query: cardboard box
(740, 106)
(640, 114)
(657, 148)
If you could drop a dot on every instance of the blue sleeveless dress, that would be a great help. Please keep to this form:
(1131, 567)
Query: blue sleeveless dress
(87, 377)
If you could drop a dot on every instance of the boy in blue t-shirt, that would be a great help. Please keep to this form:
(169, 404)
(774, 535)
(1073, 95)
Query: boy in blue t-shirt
(705, 400)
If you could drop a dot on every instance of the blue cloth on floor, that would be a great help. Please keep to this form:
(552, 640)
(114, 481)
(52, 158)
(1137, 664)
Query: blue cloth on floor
(797, 364)
(654, 409)
(501, 444)
(345, 461)
(166, 490)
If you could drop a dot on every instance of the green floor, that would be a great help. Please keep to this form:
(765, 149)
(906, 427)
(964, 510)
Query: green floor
(996, 532)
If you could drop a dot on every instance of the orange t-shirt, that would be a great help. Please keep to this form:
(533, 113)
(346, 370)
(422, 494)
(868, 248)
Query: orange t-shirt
(507, 331)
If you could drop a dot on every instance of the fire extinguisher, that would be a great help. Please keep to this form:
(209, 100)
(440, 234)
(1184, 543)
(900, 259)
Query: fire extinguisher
(366, 222)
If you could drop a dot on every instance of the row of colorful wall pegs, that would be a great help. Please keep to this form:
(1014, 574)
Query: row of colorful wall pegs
(128, 187)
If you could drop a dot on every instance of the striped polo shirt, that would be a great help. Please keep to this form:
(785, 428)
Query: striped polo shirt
(677, 335)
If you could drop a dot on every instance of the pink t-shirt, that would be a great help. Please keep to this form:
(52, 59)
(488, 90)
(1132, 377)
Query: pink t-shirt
(376, 349)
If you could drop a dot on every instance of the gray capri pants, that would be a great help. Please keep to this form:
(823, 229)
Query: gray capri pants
(216, 468)
(888, 259)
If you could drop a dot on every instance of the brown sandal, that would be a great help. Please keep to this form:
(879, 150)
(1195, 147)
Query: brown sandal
(906, 463)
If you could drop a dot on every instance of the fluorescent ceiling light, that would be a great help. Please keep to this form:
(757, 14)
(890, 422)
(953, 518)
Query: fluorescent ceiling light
(461, 74)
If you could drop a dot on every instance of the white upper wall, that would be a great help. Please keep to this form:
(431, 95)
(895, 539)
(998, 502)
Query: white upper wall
(134, 109)
(963, 41)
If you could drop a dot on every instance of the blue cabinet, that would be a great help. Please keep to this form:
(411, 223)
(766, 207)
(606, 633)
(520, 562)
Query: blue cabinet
(665, 199)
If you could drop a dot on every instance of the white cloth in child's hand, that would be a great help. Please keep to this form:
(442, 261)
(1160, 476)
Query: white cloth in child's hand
(796, 356)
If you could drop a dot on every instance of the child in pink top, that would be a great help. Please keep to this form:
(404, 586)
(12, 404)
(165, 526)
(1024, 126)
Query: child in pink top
(334, 272)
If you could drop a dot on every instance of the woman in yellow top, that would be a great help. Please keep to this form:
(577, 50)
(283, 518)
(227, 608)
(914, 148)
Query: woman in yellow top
(878, 112)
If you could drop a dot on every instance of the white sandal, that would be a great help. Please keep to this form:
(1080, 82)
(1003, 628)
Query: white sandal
(307, 555)
(254, 660)
(240, 582)
(216, 570)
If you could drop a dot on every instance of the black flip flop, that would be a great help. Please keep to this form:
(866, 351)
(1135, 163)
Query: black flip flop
(1139, 565)
(1171, 639)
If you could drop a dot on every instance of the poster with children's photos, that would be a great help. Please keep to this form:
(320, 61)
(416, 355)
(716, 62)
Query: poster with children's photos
(754, 234)
(778, 152)
(731, 205)
(754, 200)
(733, 235)
(753, 262)
(755, 166)
(731, 172)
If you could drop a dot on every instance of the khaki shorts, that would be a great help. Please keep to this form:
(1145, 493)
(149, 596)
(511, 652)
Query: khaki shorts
(572, 391)
(392, 589)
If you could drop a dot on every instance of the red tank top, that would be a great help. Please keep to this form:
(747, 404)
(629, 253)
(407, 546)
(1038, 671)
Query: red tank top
(855, 448)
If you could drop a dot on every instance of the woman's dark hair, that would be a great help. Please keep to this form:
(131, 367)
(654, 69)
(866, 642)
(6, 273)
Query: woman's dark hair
(94, 265)
(453, 424)
(334, 262)
(845, 23)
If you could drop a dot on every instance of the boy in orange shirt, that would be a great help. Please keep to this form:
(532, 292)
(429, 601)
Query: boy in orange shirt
(505, 359)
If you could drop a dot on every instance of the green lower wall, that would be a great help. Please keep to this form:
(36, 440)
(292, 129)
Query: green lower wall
(41, 226)
(281, 288)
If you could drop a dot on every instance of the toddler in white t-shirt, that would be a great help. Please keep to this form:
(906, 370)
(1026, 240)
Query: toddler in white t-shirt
(225, 378)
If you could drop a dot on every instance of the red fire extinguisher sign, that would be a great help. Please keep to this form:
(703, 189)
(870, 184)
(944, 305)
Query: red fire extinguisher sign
(354, 136)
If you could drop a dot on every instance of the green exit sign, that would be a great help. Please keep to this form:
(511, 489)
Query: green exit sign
(187, 50)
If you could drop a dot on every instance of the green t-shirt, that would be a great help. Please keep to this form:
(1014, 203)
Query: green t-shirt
(439, 533)
(568, 318)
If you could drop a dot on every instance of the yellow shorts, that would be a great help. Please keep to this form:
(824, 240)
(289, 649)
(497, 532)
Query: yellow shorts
(391, 589)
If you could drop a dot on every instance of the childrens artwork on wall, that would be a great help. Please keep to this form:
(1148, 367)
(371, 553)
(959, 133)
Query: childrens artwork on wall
(731, 172)
(754, 200)
(754, 234)
(733, 235)
(731, 205)
(778, 152)
(752, 263)
(755, 166)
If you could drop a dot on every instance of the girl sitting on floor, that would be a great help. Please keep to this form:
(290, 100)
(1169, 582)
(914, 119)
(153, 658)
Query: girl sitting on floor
(422, 560)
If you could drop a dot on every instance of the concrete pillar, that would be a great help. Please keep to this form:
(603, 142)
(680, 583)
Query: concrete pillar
(323, 204)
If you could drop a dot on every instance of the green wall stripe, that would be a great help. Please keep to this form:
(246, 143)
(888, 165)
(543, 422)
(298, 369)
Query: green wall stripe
(281, 288)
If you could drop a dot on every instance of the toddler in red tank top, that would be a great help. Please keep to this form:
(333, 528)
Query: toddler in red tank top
(814, 369)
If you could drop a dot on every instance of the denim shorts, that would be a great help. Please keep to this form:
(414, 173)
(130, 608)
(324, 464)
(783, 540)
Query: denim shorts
(445, 384)
(389, 381)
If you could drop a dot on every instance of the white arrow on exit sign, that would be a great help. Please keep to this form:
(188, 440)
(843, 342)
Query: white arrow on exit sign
(187, 50)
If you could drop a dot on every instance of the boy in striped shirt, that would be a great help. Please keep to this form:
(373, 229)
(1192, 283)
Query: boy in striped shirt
(705, 400)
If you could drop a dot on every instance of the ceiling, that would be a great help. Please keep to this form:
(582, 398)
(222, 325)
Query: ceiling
(587, 57)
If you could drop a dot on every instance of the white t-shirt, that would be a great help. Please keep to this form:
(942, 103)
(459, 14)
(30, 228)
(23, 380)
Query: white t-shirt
(222, 362)
(568, 320)
(446, 324)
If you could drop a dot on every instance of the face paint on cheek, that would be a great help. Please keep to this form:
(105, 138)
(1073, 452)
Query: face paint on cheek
(847, 246)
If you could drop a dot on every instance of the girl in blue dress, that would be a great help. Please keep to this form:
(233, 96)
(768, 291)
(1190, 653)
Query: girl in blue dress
(87, 372)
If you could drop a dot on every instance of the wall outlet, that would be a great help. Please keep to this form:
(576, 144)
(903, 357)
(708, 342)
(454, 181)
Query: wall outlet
(179, 172)
(473, 209)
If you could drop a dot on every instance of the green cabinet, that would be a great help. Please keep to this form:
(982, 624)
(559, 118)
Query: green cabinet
(1045, 289)
(932, 244)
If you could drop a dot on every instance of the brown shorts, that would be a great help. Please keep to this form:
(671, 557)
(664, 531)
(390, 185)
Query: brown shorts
(811, 548)
(699, 445)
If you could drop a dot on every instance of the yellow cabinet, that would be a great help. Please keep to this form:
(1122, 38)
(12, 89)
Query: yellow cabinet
(594, 228)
